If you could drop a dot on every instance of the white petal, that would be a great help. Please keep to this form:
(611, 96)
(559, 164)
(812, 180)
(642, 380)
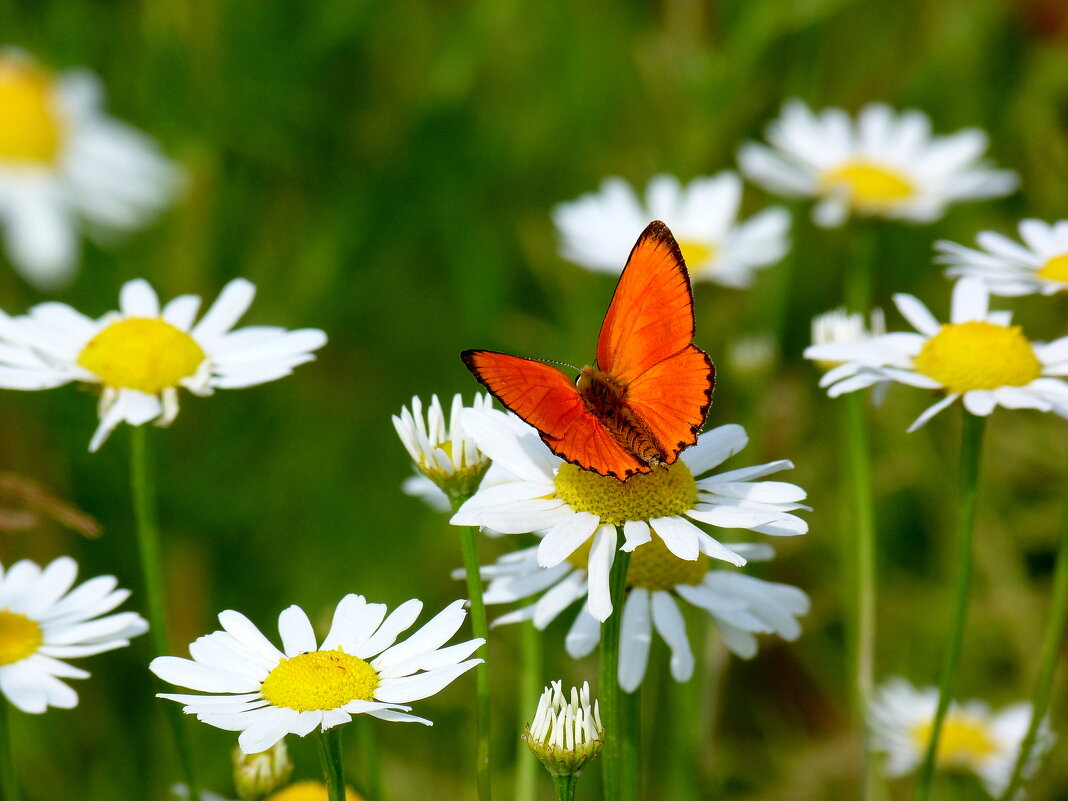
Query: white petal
(635, 637)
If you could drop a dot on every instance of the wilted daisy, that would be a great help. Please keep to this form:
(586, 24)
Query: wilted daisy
(883, 164)
(1040, 264)
(65, 163)
(142, 354)
(529, 488)
(43, 621)
(741, 606)
(974, 739)
(565, 734)
(598, 230)
(266, 693)
(978, 357)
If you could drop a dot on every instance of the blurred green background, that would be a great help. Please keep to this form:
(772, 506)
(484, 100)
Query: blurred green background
(385, 171)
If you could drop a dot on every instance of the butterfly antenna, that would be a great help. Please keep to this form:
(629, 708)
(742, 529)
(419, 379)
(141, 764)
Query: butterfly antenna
(562, 364)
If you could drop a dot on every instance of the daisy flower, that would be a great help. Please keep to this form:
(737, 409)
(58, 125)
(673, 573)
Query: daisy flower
(978, 357)
(974, 739)
(884, 164)
(266, 693)
(839, 326)
(307, 790)
(741, 606)
(529, 488)
(43, 621)
(565, 734)
(1040, 264)
(64, 163)
(598, 230)
(142, 354)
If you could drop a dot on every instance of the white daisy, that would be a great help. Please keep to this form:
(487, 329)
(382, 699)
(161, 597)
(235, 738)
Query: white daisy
(43, 620)
(528, 488)
(741, 606)
(64, 162)
(884, 164)
(973, 739)
(598, 230)
(142, 354)
(305, 790)
(564, 734)
(265, 693)
(839, 326)
(978, 357)
(1040, 264)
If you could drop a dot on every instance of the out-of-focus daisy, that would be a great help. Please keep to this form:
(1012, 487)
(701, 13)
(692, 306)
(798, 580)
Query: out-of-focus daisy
(752, 356)
(443, 452)
(44, 621)
(884, 164)
(598, 230)
(64, 163)
(142, 354)
(306, 790)
(978, 357)
(565, 734)
(839, 326)
(265, 693)
(741, 606)
(1008, 268)
(974, 739)
(528, 488)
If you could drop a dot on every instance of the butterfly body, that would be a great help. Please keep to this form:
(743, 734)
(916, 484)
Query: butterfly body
(607, 401)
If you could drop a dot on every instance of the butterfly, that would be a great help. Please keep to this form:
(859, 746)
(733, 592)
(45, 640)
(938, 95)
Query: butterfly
(646, 396)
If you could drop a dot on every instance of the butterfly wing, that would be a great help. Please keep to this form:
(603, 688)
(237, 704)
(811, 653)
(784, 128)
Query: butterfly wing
(547, 399)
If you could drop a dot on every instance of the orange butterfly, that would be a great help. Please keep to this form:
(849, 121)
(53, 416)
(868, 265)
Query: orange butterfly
(646, 397)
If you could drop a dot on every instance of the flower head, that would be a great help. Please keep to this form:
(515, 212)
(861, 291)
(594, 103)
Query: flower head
(973, 739)
(63, 162)
(258, 775)
(598, 230)
(883, 164)
(43, 621)
(565, 734)
(839, 326)
(978, 357)
(266, 693)
(528, 488)
(1040, 264)
(142, 354)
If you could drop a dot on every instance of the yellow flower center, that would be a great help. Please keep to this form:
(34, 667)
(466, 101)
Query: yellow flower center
(29, 127)
(1056, 269)
(965, 742)
(699, 256)
(872, 188)
(319, 680)
(652, 566)
(143, 353)
(308, 791)
(978, 355)
(20, 637)
(663, 492)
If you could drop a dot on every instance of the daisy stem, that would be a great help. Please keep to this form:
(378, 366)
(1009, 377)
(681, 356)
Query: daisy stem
(143, 489)
(482, 679)
(1051, 647)
(565, 787)
(9, 786)
(530, 683)
(971, 445)
(620, 774)
(333, 770)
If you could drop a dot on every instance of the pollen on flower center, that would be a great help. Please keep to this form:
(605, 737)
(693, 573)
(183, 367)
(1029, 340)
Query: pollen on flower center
(142, 353)
(978, 355)
(29, 128)
(964, 744)
(1056, 269)
(319, 680)
(20, 637)
(699, 256)
(871, 187)
(663, 492)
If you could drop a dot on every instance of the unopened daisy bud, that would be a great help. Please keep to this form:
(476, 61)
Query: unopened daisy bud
(752, 356)
(441, 450)
(258, 775)
(565, 735)
(838, 327)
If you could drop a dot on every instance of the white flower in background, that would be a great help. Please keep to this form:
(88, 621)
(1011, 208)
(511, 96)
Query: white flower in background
(306, 790)
(142, 354)
(564, 734)
(1008, 268)
(528, 488)
(598, 230)
(884, 164)
(973, 739)
(753, 355)
(44, 621)
(839, 326)
(741, 606)
(978, 357)
(265, 693)
(65, 163)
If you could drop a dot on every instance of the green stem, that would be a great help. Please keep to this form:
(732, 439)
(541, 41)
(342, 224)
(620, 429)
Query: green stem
(565, 787)
(9, 785)
(1051, 647)
(372, 767)
(971, 444)
(333, 769)
(143, 490)
(530, 685)
(482, 678)
(617, 774)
